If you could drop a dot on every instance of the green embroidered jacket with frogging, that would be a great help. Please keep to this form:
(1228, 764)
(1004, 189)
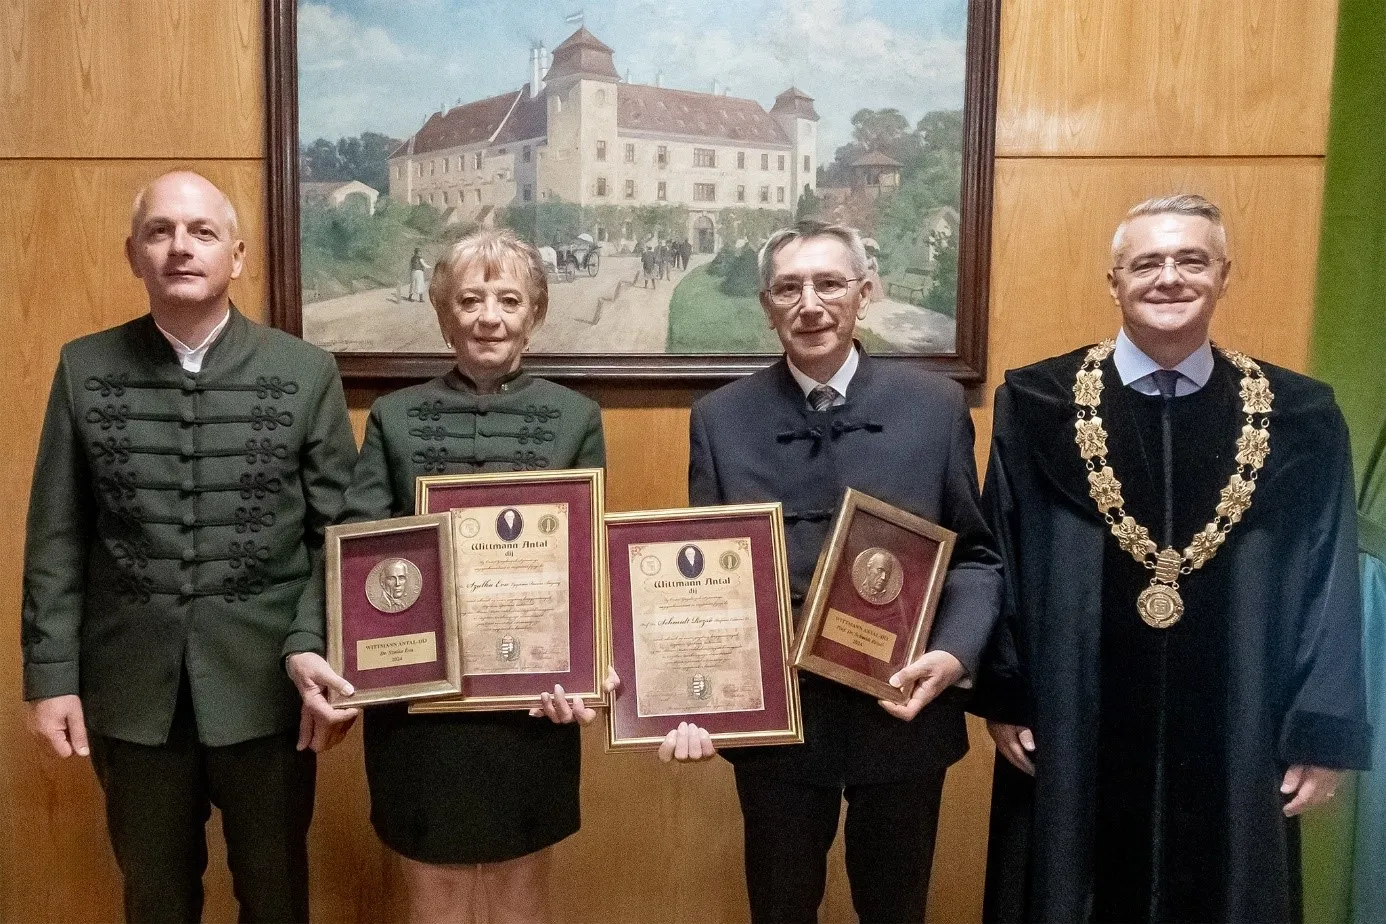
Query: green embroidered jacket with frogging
(178, 518)
(445, 427)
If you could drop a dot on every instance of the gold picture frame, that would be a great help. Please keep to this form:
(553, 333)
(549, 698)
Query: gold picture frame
(860, 637)
(779, 719)
(576, 487)
(339, 562)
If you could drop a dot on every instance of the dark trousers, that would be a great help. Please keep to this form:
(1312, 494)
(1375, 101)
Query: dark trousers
(158, 801)
(889, 839)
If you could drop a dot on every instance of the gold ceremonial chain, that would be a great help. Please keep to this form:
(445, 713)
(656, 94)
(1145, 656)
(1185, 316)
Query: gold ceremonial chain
(1160, 604)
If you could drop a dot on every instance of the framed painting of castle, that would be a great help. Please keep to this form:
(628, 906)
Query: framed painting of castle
(647, 148)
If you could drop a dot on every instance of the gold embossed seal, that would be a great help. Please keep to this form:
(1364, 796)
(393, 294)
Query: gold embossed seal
(878, 576)
(393, 585)
(1160, 606)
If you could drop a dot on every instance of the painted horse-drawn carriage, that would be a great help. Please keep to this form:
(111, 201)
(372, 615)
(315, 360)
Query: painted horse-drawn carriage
(565, 262)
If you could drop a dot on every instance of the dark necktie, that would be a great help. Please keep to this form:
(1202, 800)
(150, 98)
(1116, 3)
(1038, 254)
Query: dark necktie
(822, 397)
(1165, 380)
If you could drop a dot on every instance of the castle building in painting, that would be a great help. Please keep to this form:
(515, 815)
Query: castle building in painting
(580, 134)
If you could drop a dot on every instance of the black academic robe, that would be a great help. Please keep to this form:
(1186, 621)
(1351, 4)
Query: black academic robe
(1160, 752)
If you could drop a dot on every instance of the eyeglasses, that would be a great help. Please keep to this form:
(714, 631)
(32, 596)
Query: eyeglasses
(1188, 267)
(786, 293)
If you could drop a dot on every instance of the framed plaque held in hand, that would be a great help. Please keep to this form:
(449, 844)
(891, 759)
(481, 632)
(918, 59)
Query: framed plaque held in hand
(701, 626)
(528, 574)
(871, 602)
(391, 622)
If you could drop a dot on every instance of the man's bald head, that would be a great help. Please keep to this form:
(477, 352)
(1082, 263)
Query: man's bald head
(177, 178)
(185, 246)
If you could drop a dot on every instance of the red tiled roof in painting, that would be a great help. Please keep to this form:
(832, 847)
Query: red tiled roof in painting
(794, 102)
(462, 125)
(582, 53)
(702, 115)
(517, 116)
(529, 120)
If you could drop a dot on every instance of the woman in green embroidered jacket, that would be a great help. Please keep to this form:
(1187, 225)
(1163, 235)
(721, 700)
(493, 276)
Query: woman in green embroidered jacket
(473, 801)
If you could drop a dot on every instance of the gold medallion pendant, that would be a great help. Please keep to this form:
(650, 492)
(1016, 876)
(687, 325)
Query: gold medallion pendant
(1160, 605)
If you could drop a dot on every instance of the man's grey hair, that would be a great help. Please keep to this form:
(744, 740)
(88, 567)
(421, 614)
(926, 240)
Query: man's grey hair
(233, 222)
(850, 238)
(1182, 204)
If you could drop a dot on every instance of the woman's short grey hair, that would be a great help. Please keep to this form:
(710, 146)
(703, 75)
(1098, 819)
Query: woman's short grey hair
(497, 252)
(1182, 204)
(850, 238)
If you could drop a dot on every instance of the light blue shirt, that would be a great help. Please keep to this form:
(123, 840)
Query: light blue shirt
(1136, 369)
(839, 382)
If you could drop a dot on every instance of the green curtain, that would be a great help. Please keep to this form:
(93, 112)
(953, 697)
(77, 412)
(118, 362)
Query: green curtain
(1349, 339)
(1349, 352)
(1368, 898)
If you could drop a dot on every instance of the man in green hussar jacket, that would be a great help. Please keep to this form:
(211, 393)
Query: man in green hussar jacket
(188, 464)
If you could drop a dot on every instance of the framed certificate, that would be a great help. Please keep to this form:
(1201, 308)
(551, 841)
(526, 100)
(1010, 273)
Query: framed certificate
(528, 574)
(391, 618)
(874, 592)
(701, 626)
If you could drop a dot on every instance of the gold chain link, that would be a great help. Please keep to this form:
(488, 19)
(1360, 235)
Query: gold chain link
(1105, 488)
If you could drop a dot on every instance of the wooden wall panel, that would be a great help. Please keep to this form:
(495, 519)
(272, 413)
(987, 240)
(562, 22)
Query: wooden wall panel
(62, 229)
(134, 78)
(646, 445)
(1164, 77)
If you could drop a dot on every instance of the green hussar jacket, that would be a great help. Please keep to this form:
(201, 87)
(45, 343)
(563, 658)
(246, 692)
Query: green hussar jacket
(178, 519)
(444, 427)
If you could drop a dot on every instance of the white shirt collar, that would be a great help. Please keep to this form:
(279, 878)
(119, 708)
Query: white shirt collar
(839, 382)
(190, 358)
(1135, 368)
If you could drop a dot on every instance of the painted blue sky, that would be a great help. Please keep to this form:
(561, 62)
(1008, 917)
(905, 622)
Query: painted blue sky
(384, 65)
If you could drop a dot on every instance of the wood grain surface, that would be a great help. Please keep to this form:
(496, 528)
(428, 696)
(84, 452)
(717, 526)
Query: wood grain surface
(1159, 78)
(131, 78)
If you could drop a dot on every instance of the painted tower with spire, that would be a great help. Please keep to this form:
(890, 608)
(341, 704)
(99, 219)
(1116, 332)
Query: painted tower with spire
(580, 90)
(794, 113)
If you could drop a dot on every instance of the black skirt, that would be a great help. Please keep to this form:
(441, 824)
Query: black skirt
(477, 787)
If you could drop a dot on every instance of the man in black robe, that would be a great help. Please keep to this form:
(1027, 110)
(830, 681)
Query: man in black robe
(1154, 774)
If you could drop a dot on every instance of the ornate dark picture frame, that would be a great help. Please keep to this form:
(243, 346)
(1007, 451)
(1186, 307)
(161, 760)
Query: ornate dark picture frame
(966, 362)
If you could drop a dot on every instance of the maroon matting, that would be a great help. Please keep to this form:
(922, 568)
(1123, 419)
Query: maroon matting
(361, 621)
(620, 537)
(917, 555)
(582, 647)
